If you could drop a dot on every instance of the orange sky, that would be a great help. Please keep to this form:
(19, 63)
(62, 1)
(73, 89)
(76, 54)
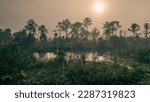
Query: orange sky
(15, 13)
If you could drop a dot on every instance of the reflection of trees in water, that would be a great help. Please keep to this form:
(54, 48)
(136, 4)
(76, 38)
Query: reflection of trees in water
(44, 56)
(71, 56)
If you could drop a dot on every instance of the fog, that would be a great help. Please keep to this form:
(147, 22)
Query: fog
(15, 13)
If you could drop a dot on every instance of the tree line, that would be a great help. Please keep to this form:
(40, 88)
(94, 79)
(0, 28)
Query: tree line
(19, 66)
(34, 32)
(78, 35)
(110, 28)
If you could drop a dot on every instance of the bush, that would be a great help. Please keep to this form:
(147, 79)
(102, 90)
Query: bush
(13, 60)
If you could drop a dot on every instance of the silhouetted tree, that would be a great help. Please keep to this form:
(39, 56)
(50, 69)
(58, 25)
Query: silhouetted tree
(121, 33)
(63, 26)
(31, 27)
(82, 33)
(75, 29)
(134, 28)
(95, 33)
(59, 27)
(146, 27)
(66, 26)
(111, 28)
(107, 29)
(86, 23)
(55, 35)
(115, 26)
(43, 31)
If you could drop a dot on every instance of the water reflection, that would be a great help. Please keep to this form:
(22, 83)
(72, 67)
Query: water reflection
(71, 56)
(78, 56)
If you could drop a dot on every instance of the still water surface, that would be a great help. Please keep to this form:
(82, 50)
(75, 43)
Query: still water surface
(71, 56)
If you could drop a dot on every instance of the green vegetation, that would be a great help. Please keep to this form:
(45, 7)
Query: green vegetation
(129, 61)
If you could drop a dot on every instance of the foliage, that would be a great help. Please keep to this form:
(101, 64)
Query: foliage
(146, 27)
(134, 28)
(110, 28)
(77, 73)
(128, 61)
(42, 29)
(13, 60)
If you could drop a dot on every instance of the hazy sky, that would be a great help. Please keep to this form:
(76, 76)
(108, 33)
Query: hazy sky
(15, 13)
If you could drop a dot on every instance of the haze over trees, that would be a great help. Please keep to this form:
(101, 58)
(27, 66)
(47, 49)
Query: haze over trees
(127, 63)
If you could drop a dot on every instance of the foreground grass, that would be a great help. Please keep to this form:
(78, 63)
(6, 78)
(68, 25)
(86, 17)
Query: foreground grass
(78, 73)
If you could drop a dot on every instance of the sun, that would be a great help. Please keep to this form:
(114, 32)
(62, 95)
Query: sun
(99, 7)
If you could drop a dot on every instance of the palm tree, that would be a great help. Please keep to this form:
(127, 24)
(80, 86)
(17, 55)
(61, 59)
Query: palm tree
(146, 27)
(86, 23)
(134, 28)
